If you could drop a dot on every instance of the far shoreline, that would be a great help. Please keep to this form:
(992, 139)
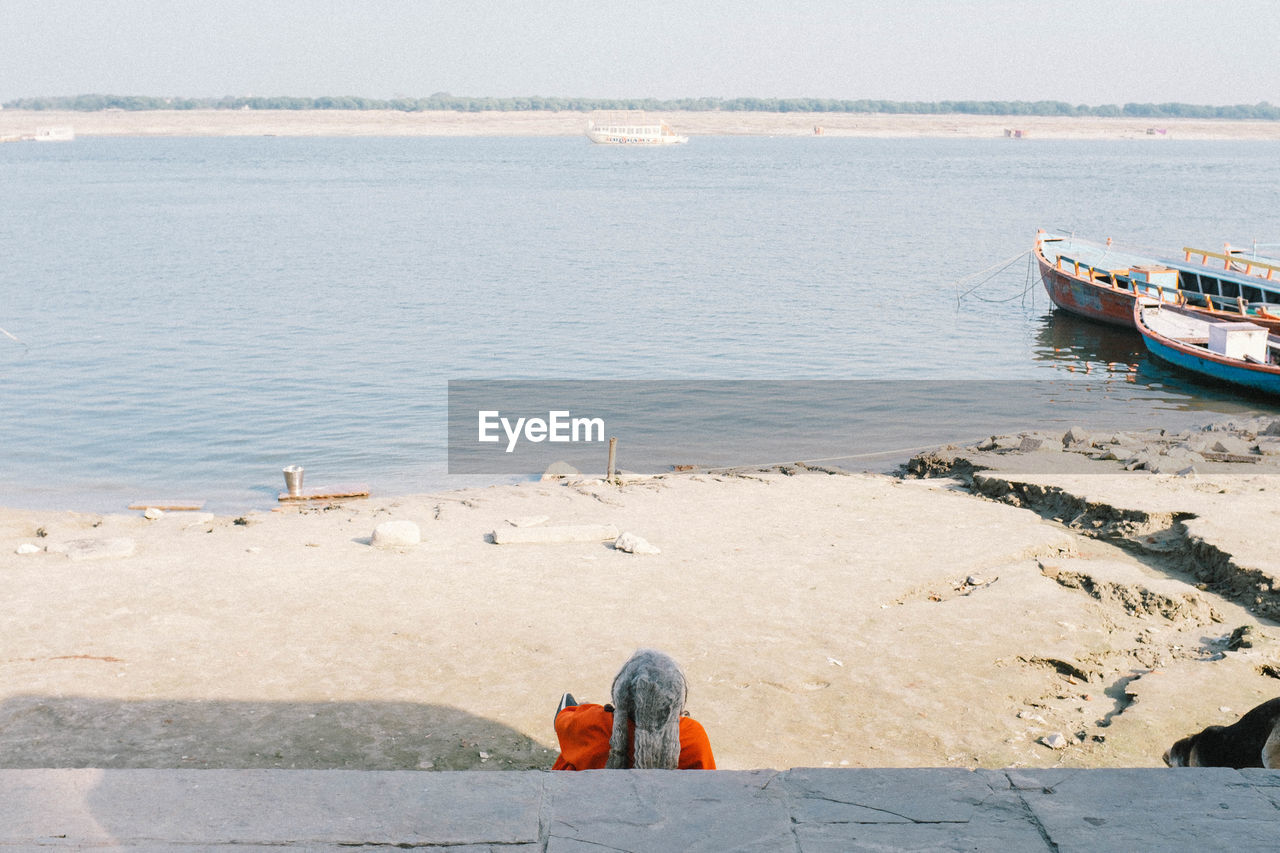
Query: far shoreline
(15, 124)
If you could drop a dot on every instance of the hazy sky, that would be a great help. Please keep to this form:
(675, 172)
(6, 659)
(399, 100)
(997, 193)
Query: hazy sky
(1083, 51)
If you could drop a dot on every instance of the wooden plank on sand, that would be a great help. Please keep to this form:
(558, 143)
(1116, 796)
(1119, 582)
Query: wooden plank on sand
(169, 505)
(325, 493)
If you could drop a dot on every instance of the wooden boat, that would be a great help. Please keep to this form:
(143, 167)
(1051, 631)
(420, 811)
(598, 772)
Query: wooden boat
(1102, 283)
(1098, 282)
(1247, 261)
(1251, 300)
(1239, 353)
(1225, 309)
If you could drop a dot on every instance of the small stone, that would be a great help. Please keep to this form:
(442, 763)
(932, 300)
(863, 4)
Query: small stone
(633, 544)
(1231, 444)
(1172, 463)
(1241, 638)
(151, 513)
(28, 548)
(396, 534)
(1142, 460)
(975, 580)
(1189, 471)
(560, 470)
(1054, 741)
(1196, 443)
(1075, 437)
(1184, 453)
(1029, 444)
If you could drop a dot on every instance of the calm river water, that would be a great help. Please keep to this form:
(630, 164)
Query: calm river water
(194, 314)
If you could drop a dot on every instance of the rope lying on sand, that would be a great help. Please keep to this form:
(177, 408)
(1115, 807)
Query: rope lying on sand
(765, 465)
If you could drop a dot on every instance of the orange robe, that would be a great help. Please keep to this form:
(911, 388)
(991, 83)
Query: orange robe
(583, 731)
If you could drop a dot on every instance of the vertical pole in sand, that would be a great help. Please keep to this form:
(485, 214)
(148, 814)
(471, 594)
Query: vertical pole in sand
(613, 449)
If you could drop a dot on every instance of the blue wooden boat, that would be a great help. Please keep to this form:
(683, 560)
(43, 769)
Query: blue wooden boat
(1237, 353)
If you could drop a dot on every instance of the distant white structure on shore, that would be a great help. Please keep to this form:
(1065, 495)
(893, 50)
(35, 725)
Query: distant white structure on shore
(60, 133)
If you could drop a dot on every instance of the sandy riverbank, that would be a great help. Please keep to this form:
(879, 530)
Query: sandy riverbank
(14, 123)
(823, 619)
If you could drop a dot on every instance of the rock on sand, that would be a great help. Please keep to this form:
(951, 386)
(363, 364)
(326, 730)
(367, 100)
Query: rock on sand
(396, 534)
(633, 544)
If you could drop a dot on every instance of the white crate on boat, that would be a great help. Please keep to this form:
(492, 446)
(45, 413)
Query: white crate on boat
(1238, 340)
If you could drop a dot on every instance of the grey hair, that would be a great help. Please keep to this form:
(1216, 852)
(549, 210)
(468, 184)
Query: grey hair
(650, 691)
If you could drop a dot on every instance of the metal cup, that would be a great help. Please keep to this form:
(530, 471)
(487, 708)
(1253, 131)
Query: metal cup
(293, 479)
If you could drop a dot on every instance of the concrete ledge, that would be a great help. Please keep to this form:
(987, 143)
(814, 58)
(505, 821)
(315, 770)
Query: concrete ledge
(762, 810)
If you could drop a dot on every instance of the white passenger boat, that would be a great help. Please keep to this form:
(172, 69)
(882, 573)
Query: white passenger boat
(54, 134)
(632, 129)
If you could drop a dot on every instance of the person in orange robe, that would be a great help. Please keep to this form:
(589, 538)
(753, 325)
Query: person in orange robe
(583, 731)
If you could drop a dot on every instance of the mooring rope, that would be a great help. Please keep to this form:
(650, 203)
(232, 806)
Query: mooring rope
(1028, 286)
(1031, 281)
(14, 339)
(766, 465)
(994, 270)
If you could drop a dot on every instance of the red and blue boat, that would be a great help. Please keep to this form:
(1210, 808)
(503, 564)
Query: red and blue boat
(1237, 353)
(1104, 283)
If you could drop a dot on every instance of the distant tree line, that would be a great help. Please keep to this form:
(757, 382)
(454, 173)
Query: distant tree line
(444, 101)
